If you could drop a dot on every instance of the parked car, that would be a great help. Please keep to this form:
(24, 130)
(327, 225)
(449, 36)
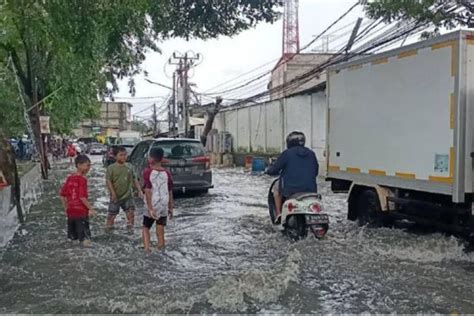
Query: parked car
(109, 155)
(96, 149)
(185, 158)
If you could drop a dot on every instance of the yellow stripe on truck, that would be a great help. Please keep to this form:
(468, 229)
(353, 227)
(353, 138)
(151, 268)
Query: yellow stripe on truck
(377, 172)
(443, 45)
(452, 159)
(334, 168)
(408, 176)
(380, 61)
(408, 54)
(352, 170)
(454, 54)
(355, 67)
(454, 60)
(470, 39)
(452, 111)
(441, 179)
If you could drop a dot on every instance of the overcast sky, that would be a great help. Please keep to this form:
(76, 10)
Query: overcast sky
(227, 58)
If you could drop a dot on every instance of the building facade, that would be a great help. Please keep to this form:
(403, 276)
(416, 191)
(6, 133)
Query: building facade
(296, 66)
(114, 117)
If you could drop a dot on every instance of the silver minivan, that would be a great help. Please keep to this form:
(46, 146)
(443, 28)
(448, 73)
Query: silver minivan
(186, 159)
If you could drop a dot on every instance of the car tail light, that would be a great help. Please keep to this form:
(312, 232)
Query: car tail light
(203, 160)
(315, 207)
(291, 207)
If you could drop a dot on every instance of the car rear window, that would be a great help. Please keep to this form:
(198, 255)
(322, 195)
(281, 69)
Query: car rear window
(180, 149)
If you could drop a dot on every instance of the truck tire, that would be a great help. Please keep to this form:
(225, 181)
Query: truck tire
(368, 209)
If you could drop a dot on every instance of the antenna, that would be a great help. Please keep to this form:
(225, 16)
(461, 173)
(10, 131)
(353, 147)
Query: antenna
(291, 34)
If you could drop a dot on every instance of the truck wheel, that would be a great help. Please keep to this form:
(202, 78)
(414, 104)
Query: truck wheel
(368, 209)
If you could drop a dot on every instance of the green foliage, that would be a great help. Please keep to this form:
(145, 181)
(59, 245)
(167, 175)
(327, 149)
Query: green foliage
(141, 127)
(437, 12)
(11, 117)
(73, 52)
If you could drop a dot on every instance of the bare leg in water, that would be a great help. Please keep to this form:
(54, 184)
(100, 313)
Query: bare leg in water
(278, 204)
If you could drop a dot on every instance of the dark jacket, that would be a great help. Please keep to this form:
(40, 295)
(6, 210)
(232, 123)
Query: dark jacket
(298, 168)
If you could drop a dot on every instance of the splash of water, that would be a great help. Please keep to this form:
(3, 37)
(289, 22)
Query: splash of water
(231, 293)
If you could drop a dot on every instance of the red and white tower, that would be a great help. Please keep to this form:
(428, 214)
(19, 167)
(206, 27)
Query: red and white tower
(291, 32)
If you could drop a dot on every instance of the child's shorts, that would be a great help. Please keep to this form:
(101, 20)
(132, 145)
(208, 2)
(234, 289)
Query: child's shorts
(126, 205)
(78, 228)
(148, 221)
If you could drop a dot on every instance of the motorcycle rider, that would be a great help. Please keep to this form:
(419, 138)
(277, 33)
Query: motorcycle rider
(297, 167)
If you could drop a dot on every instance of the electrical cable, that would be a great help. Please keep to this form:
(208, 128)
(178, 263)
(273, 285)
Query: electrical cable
(331, 62)
(291, 57)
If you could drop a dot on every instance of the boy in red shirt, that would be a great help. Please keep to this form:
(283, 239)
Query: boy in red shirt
(76, 206)
(71, 152)
(158, 198)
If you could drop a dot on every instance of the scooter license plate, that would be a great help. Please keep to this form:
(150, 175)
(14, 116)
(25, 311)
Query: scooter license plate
(317, 219)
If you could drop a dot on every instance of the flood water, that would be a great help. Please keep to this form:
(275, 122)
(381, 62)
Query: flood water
(223, 256)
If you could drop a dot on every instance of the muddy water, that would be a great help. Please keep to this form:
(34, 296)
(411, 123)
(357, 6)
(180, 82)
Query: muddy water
(223, 256)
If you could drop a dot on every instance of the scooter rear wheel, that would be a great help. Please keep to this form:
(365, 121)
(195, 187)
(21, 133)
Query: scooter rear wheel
(296, 227)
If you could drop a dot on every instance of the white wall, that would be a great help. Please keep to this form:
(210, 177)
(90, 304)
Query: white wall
(263, 127)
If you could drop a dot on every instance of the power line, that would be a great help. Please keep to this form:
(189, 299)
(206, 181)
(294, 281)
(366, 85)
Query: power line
(291, 57)
(208, 91)
(337, 59)
(144, 110)
(141, 98)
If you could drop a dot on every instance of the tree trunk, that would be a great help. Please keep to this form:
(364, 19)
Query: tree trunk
(9, 169)
(211, 115)
(34, 116)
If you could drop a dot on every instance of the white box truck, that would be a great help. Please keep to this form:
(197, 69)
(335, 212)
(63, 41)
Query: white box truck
(128, 139)
(401, 133)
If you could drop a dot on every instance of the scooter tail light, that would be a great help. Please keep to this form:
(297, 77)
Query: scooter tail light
(315, 208)
(291, 207)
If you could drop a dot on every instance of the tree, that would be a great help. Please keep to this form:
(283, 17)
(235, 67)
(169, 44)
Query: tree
(440, 13)
(211, 115)
(67, 53)
(141, 127)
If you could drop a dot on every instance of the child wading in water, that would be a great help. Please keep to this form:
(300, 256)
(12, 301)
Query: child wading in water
(120, 181)
(158, 185)
(76, 205)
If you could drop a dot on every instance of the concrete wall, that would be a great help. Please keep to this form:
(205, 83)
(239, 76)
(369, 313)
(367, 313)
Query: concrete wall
(263, 127)
(31, 189)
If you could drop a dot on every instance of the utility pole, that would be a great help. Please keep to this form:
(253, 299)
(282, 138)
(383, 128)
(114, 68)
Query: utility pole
(172, 113)
(184, 64)
(186, 96)
(355, 31)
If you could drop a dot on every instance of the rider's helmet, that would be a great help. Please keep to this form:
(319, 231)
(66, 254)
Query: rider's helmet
(295, 139)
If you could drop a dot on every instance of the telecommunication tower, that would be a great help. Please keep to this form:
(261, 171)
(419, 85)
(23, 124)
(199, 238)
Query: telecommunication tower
(291, 33)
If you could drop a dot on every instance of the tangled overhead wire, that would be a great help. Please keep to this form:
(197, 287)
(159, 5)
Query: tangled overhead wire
(373, 44)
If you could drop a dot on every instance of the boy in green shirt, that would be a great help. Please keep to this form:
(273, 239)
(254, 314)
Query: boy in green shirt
(120, 181)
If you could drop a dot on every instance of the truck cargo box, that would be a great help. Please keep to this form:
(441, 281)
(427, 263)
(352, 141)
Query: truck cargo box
(405, 118)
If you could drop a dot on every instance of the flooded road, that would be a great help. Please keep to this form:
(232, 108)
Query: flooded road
(223, 256)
